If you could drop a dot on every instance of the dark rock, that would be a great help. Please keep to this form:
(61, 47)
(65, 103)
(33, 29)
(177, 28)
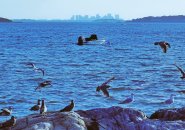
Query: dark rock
(92, 38)
(113, 118)
(81, 41)
(169, 114)
(5, 20)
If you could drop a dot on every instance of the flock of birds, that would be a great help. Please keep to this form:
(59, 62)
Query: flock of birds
(41, 106)
(104, 87)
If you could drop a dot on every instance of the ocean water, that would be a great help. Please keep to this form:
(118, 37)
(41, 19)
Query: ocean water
(129, 54)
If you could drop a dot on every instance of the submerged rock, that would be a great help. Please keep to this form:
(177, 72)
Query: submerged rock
(113, 118)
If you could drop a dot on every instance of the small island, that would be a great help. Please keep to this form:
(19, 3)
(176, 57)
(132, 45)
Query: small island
(5, 20)
(178, 18)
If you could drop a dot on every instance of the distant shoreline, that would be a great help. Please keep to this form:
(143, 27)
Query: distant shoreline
(3, 20)
(161, 19)
(149, 19)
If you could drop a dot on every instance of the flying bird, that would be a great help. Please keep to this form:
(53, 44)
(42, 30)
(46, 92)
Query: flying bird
(6, 111)
(181, 91)
(35, 68)
(36, 107)
(69, 107)
(171, 100)
(43, 108)
(43, 84)
(8, 123)
(182, 72)
(104, 87)
(128, 100)
(164, 45)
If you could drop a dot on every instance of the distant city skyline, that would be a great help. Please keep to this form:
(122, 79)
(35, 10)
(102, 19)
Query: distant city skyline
(60, 9)
(96, 17)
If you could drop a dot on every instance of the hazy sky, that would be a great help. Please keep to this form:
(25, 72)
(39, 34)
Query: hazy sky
(64, 9)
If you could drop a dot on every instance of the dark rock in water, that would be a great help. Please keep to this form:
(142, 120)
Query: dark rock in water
(5, 20)
(81, 41)
(92, 38)
(169, 114)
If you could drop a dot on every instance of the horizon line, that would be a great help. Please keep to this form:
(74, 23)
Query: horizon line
(60, 19)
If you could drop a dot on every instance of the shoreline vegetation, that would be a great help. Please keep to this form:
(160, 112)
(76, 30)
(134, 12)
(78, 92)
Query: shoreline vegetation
(149, 19)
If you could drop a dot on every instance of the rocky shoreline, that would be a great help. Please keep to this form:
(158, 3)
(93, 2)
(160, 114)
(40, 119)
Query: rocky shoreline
(113, 118)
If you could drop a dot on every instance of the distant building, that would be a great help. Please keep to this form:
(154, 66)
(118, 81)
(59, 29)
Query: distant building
(73, 18)
(98, 16)
(91, 18)
(86, 17)
(109, 16)
(117, 16)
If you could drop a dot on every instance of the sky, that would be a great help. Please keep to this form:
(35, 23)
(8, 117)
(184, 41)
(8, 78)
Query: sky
(64, 9)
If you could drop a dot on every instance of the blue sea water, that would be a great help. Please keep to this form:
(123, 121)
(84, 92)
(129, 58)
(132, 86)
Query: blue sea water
(138, 65)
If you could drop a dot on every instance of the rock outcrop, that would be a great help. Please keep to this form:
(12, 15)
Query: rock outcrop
(51, 121)
(113, 118)
(117, 118)
(4, 20)
(169, 114)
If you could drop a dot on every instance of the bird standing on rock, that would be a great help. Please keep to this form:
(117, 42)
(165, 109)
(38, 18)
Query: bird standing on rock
(8, 123)
(36, 107)
(69, 107)
(104, 87)
(164, 45)
(43, 108)
(43, 84)
(6, 111)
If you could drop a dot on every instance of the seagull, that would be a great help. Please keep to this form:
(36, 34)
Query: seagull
(36, 107)
(104, 87)
(171, 100)
(128, 100)
(8, 123)
(43, 108)
(35, 68)
(6, 111)
(164, 45)
(43, 84)
(69, 107)
(182, 72)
